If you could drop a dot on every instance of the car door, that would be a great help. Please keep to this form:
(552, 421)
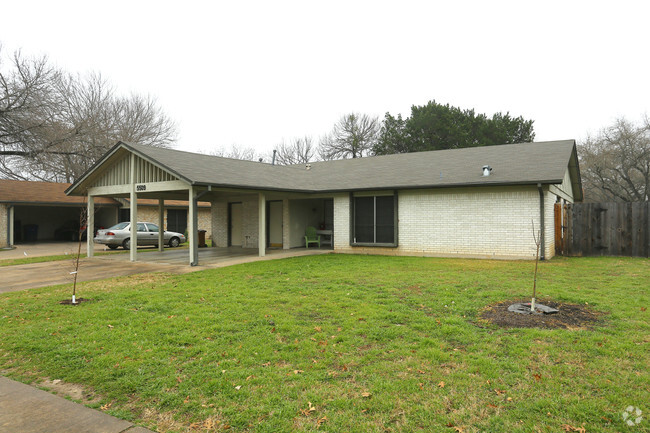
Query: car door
(152, 238)
(144, 237)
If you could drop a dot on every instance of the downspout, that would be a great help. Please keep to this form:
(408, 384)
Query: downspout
(541, 220)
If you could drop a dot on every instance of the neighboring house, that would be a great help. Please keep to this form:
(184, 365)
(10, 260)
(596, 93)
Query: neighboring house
(38, 211)
(439, 203)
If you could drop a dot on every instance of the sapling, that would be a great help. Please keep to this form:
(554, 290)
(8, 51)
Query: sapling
(538, 241)
(83, 218)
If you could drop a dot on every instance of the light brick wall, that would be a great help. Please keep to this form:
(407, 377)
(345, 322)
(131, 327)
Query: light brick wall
(204, 217)
(250, 225)
(220, 223)
(342, 223)
(464, 222)
(286, 225)
(4, 225)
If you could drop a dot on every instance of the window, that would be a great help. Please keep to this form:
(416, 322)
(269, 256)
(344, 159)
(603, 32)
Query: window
(152, 227)
(374, 220)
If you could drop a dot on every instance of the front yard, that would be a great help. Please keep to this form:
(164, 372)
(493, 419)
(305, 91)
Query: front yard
(343, 343)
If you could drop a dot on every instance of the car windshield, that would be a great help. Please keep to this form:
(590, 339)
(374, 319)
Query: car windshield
(120, 226)
(152, 227)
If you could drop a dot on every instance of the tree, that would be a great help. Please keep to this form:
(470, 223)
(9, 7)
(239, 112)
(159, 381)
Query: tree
(435, 126)
(296, 151)
(236, 152)
(353, 136)
(55, 125)
(615, 164)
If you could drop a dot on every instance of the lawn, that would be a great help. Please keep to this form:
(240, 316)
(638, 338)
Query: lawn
(341, 343)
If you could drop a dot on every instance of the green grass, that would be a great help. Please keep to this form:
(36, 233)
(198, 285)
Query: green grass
(368, 341)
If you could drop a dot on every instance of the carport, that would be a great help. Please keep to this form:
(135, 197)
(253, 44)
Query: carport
(135, 171)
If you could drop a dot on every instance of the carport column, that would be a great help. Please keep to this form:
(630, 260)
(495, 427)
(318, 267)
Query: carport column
(261, 231)
(133, 198)
(90, 226)
(161, 224)
(192, 231)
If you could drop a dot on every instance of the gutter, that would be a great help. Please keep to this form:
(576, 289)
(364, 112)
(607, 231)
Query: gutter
(541, 221)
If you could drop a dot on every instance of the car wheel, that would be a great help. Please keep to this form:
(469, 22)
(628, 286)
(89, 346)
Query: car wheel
(174, 242)
(126, 244)
(113, 247)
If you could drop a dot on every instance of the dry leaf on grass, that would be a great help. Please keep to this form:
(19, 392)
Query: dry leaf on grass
(441, 384)
(310, 408)
(366, 394)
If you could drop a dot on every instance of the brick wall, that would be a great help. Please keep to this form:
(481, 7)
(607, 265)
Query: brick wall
(465, 222)
(220, 224)
(250, 225)
(204, 217)
(4, 225)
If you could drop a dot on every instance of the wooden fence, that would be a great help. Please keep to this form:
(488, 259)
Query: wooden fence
(603, 229)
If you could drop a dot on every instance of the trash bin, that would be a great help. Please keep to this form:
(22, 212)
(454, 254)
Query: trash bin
(202, 243)
(30, 232)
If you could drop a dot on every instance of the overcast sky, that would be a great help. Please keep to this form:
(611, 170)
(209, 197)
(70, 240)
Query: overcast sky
(252, 73)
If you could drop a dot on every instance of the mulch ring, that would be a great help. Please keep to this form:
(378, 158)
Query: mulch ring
(570, 316)
(78, 301)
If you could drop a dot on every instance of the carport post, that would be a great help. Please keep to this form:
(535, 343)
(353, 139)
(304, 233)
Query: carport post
(90, 227)
(161, 224)
(192, 231)
(133, 211)
(261, 231)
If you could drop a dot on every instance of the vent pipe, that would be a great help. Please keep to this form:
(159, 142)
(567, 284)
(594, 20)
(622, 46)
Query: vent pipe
(486, 170)
(273, 160)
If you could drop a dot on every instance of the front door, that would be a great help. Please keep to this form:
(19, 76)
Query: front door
(235, 225)
(274, 229)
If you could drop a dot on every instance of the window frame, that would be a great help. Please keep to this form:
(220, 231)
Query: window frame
(375, 194)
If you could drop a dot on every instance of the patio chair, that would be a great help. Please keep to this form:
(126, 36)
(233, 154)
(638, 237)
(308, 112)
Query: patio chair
(311, 237)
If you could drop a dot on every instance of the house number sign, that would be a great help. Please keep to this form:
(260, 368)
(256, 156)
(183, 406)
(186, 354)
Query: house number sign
(141, 187)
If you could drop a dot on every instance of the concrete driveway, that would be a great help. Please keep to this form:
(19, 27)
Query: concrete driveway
(45, 248)
(21, 277)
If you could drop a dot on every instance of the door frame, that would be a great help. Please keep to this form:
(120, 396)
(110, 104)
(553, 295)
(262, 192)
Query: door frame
(268, 222)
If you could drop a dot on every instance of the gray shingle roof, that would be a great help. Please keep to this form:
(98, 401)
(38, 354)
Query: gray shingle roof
(512, 164)
(525, 163)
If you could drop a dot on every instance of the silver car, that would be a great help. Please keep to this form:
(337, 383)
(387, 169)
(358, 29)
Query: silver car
(120, 235)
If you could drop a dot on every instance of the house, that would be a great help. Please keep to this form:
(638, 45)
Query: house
(476, 202)
(41, 211)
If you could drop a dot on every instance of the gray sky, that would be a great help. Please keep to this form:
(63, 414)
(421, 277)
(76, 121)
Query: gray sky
(252, 73)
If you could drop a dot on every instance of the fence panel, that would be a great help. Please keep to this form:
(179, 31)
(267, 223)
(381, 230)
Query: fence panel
(608, 229)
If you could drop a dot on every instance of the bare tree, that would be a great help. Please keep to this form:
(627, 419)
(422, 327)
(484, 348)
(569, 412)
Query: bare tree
(615, 164)
(296, 151)
(353, 136)
(237, 152)
(54, 125)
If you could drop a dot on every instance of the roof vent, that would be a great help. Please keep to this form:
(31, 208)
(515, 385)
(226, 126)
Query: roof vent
(307, 166)
(486, 170)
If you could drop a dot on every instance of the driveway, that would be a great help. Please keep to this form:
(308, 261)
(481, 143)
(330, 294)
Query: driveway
(45, 248)
(21, 277)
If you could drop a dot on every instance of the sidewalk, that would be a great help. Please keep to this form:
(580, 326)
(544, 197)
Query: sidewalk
(26, 409)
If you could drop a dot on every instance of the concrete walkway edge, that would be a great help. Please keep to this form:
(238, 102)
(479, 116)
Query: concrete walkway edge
(26, 409)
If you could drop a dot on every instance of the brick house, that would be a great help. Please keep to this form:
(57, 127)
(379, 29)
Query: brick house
(476, 202)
